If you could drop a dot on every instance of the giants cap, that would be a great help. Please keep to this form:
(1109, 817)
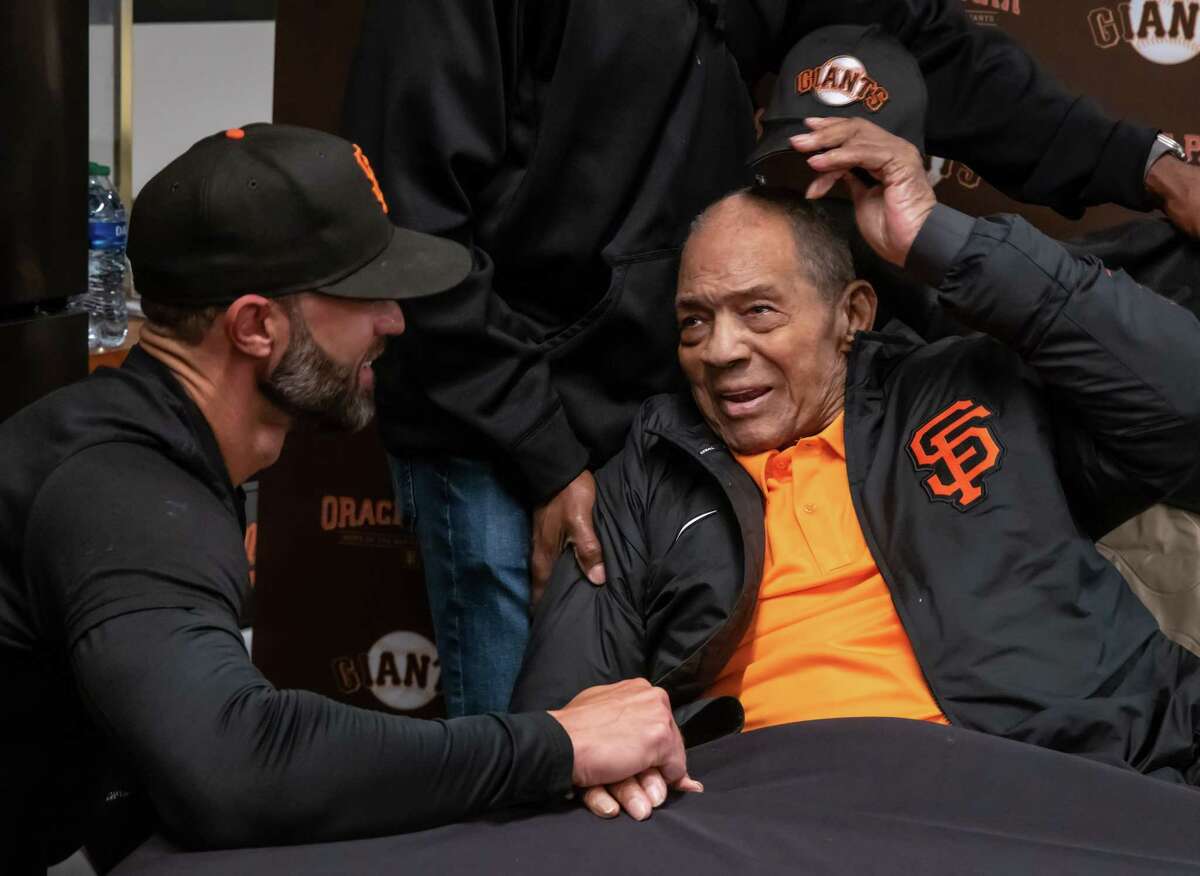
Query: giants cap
(275, 209)
(848, 71)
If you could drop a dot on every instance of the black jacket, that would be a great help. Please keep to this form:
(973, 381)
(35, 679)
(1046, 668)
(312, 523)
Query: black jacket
(570, 143)
(1020, 627)
(126, 679)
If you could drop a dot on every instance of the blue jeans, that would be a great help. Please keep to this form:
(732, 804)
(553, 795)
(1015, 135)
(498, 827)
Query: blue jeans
(475, 542)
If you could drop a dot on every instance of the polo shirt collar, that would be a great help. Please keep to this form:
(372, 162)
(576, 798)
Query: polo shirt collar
(833, 436)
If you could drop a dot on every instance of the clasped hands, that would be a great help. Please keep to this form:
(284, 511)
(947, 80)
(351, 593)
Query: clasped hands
(628, 750)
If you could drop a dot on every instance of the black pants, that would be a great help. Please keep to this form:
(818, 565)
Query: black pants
(855, 796)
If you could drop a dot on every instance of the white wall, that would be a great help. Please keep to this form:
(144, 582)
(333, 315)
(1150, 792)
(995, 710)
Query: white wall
(101, 82)
(192, 80)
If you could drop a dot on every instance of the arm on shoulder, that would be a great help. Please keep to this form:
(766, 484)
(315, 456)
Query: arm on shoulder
(584, 635)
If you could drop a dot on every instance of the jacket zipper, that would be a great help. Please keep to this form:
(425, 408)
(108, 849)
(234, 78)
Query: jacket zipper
(868, 535)
(747, 561)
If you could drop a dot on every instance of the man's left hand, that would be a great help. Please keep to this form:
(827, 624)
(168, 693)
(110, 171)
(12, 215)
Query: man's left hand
(566, 518)
(1176, 186)
(889, 215)
(638, 795)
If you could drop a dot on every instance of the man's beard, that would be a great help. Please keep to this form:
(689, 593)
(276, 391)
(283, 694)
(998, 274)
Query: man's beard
(309, 385)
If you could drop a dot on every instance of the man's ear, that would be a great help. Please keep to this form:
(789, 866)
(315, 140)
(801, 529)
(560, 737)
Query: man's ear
(858, 304)
(256, 327)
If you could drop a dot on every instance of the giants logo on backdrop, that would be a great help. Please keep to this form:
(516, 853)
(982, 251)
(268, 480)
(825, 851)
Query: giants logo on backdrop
(986, 12)
(960, 448)
(361, 521)
(401, 669)
(1162, 31)
(841, 81)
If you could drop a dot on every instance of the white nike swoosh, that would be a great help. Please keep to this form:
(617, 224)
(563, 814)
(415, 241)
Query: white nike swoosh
(695, 519)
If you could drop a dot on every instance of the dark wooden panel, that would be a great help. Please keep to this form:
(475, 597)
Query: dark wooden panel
(38, 355)
(340, 604)
(314, 43)
(43, 150)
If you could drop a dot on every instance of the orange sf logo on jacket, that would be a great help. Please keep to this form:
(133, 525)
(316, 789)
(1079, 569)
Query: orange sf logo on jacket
(960, 447)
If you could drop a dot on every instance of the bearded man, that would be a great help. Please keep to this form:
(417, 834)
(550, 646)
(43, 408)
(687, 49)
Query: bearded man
(840, 522)
(269, 274)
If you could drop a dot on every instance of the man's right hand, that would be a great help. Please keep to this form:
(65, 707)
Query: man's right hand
(889, 215)
(567, 518)
(620, 732)
(1175, 185)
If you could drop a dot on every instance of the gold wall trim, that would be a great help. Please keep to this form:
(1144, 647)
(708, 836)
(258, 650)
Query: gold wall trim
(123, 101)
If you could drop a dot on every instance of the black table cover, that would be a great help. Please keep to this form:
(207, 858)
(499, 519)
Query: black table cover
(858, 796)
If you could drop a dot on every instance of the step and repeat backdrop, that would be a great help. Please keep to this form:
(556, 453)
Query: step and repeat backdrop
(340, 598)
(1140, 60)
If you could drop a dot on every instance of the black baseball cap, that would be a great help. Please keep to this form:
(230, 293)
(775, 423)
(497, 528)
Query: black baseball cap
(849, 71)
(276, 209)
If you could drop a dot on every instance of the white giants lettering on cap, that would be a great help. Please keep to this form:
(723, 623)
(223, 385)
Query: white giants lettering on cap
(841, 81)
(404, 670)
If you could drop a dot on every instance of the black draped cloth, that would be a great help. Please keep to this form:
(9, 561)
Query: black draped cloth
(862, 796)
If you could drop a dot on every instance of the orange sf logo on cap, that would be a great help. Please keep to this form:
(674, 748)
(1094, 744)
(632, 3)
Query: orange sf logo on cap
(366, 168)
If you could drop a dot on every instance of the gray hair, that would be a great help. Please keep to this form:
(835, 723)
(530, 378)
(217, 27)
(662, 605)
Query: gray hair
(822, 246)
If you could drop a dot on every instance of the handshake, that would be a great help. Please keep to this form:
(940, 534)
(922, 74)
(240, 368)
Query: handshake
(628, 749)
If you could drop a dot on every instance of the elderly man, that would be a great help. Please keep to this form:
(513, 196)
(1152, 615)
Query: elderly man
(269, 274)
(569, 143)
(839, 522)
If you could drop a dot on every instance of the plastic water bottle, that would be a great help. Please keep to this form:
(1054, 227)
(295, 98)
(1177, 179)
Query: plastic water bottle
(104, 300)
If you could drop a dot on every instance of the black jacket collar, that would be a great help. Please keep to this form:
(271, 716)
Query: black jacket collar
(195, 447)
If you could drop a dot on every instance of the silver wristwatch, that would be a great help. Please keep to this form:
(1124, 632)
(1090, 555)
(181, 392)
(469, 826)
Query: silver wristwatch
(1163, 145)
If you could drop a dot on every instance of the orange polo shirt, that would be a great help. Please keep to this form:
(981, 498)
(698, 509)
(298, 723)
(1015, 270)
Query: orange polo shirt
(825, 640)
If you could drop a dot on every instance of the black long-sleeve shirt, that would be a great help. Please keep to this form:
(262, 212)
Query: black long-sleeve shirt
(122, 573)
(570, 143)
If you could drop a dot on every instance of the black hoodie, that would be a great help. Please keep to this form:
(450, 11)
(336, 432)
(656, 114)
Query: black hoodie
(122, 575)
(571, 142)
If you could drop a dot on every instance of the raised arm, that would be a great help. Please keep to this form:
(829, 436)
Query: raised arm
(1118, 360)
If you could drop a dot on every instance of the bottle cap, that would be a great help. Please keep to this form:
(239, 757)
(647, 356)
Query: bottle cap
(97, 169)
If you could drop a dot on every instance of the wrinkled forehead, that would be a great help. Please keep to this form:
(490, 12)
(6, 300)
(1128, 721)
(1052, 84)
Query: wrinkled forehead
(735, 251)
